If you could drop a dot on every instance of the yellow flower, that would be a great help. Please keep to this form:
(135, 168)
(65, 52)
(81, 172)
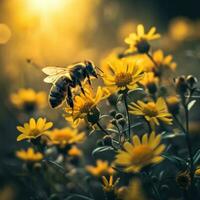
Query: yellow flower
(153, 112)
(101, 168)
(139, 41)
(74, 151)
(29, 155)
(173, 104)
(33, 129)
(181, 28)
(123, 75)
(150, 82)
(65, 136)
(84, 103)
(109, 185)
(140, 153)
(28, 99)
(134, 191)
(163, 63)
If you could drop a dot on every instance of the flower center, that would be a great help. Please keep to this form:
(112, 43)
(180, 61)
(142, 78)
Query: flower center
(62, 137)
(123, 79)
(143, 46)
(150, 109)
(142, 154)
(34, 132)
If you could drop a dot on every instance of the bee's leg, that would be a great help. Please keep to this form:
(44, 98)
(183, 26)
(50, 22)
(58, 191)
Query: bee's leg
(82, 90)
(88, 78)
(69, 97)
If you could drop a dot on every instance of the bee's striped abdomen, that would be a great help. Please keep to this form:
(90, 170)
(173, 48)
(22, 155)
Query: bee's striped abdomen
(58, 92)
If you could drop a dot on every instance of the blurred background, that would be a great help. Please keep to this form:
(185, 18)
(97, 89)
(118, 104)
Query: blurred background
(60, 32)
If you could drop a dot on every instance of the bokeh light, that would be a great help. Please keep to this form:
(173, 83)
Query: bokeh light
(5, 33)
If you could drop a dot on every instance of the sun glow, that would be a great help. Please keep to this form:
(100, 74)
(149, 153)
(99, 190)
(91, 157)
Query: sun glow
(46, 5)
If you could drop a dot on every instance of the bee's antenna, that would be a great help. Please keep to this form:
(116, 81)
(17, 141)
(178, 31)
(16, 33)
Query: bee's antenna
(100, 69)
(30, 61)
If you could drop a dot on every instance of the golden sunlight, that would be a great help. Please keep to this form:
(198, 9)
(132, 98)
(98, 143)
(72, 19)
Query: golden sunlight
(45, 6)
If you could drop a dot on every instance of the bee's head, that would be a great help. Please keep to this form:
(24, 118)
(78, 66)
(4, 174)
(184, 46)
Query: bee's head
(90, 68)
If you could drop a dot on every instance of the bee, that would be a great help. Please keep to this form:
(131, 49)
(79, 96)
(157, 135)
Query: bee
(66, 78)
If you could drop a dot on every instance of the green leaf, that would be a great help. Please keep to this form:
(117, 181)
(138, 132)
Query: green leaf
(196, 156)
(136, 94)
(104, 116)
(176, 160)
(167, 135)
(138, 124)
(77, 197)
(191, 104)
(104, 153)
(112, 130)
(120, 97)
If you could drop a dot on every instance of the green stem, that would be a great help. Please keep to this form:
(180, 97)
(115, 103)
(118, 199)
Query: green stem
(149, 126)
(101, 128)
(188, 140)
(152, 59)
(128, 116)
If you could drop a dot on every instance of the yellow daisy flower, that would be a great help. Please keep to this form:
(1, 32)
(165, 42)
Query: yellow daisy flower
(123, 76)
(65, 136)
(84, 103)
(29, 155)
(33, 129)
(109, 185)
(74, 151)
(101, 168)
(150, 82)
(140, 153)
(153, 112)
(28, 99)
(139, 41)
(173, 103)
(163, 62)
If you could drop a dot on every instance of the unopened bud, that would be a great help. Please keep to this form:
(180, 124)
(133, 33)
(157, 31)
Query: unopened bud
(107, 140)
(143, 46)
(181, 85)
(191, 80)
(119, 116)
(121, 122)
(112, 113)
(93, 115)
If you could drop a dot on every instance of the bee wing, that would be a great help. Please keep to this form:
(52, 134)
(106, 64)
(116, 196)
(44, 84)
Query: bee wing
(55, 73)
(51, 78)
(54, 70)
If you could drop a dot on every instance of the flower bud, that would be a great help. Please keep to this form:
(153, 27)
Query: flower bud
(173, 104)
(183, 180)
(114, 122)
(181, 85)
(107, 140)
(152, 88)
(191, 81)
(119, 116)
(121, 122)
(143, 46)
(100, 143)
(112, 113)
(93, 115)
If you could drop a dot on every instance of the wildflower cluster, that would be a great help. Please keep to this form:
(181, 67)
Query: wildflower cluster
(117, 139)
